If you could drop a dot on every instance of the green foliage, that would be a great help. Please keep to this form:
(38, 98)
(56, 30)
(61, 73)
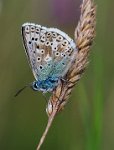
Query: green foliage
(87, 121)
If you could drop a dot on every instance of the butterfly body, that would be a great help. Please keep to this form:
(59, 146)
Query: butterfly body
(45, 85)
(50, 53)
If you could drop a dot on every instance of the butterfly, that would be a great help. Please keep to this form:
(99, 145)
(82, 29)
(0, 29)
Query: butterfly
(50, 54)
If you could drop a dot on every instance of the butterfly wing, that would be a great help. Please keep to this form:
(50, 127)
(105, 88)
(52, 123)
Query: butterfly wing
(64, 50)
(49, 50)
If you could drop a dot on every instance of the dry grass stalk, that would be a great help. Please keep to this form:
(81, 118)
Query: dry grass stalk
(84, 35)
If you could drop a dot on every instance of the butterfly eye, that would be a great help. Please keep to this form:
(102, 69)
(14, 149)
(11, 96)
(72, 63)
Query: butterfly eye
(57, 54)
(36, 39)
(38, 59)
(41, 67)
(59, 38)
(54, 48)
(37, 30)
(51, 43)
(54, 35)
(63, 55)
(37, 46)
(43, 39)
(47, 43)
(42, 51)
(48, 34)
(32, 38)
(68, 51)
(27, 29)
(32, 28)
(29, 42)
(65, 42)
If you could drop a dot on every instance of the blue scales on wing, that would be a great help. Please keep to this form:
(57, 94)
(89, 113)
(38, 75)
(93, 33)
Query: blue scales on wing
(50, 54)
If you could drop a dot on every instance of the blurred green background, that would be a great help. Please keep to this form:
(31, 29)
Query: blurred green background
(87, 122)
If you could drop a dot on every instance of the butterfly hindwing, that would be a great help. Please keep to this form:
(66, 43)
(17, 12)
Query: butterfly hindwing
(49, 50)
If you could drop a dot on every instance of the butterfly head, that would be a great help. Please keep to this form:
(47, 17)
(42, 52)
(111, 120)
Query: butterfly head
(35, 86)
(45, 85)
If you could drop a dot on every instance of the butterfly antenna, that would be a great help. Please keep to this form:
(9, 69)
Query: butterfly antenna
(20, 90)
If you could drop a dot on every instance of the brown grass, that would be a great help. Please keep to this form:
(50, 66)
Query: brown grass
(84, 35)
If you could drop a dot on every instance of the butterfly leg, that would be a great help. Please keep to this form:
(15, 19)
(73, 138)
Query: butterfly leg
(66, 81)
(45, 97)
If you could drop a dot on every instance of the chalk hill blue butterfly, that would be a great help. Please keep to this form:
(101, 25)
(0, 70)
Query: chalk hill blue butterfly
(50, 53)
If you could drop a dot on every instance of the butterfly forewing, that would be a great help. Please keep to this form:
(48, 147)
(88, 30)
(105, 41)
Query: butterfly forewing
(49, 50)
